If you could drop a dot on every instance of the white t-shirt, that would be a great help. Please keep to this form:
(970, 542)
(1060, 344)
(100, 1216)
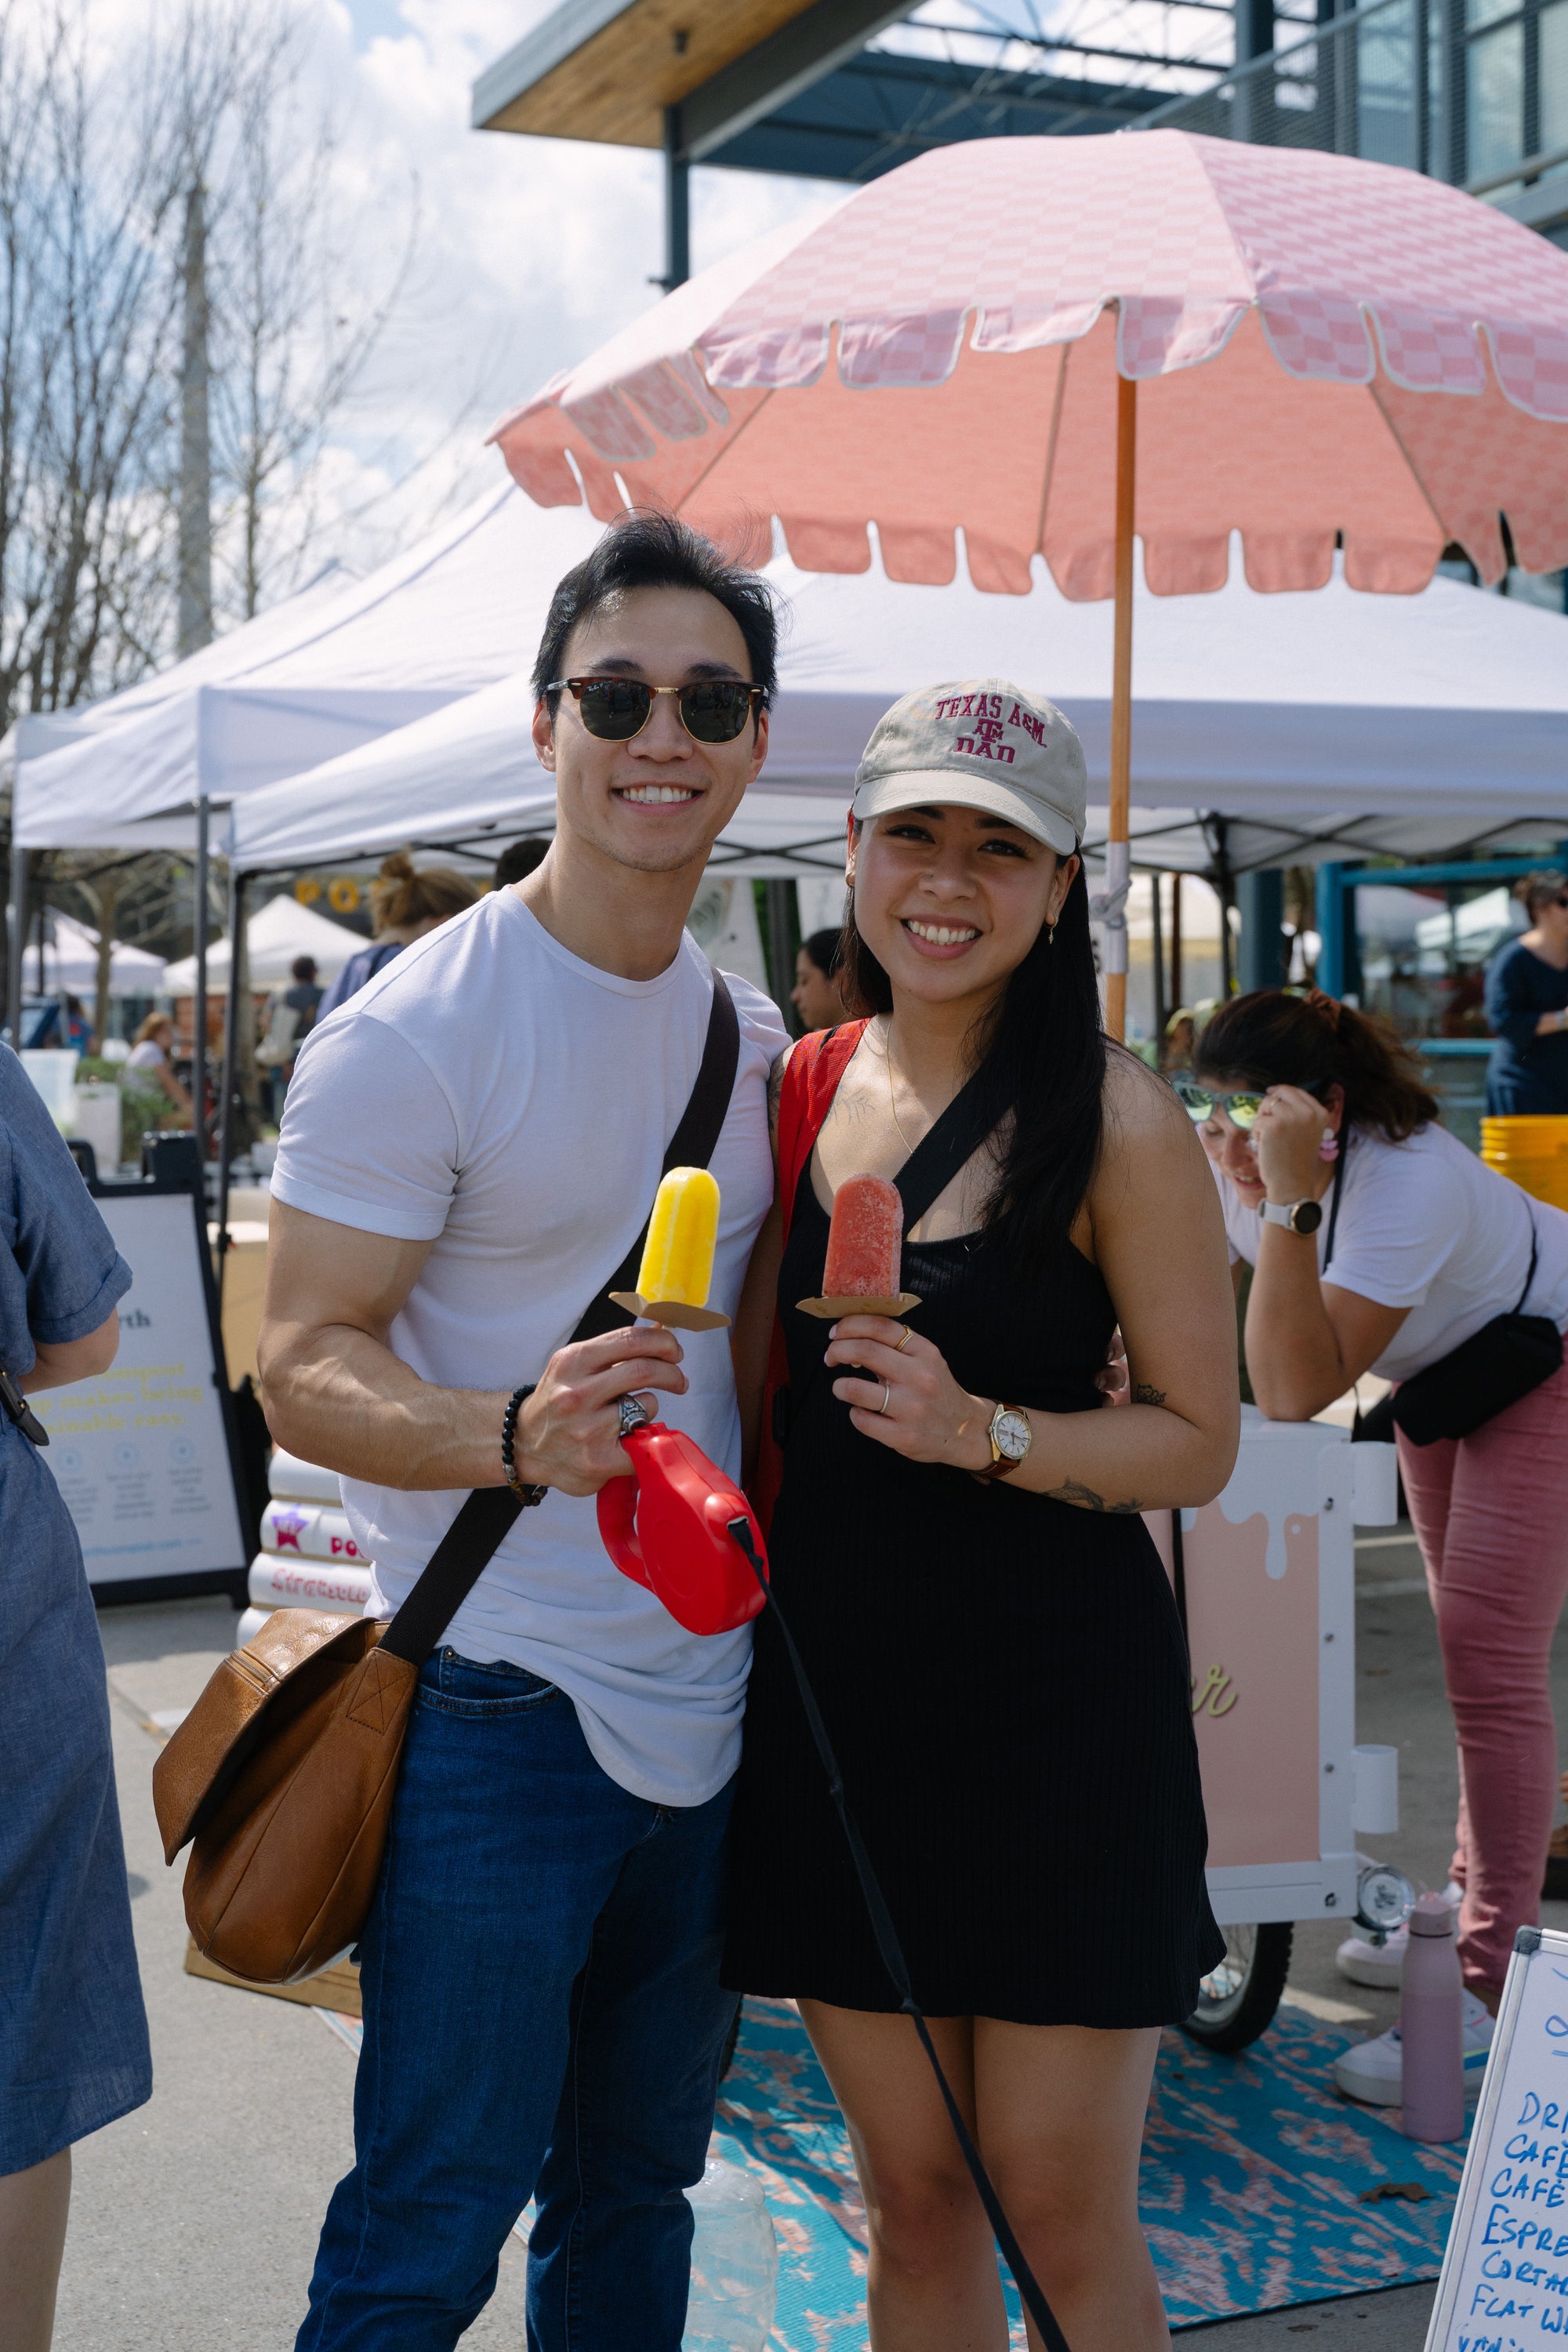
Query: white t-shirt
(492, 1094)
(148, 1055)
(1426, 1224)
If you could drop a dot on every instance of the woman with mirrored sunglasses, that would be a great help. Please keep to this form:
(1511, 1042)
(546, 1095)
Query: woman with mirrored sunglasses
(1380, 1243)
(1527, 1007)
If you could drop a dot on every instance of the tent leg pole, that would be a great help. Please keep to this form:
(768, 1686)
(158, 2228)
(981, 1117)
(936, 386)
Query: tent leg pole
(1176, 941)
(230, 1064)
(16, 940)
(1117, 868)
(1157, 960)
(199, 947)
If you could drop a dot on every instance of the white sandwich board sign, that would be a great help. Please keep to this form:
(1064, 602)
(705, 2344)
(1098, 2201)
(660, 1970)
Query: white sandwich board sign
(1504, 2284)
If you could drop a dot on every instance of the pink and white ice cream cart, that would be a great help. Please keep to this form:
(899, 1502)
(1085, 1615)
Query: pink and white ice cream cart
(1265, 1577)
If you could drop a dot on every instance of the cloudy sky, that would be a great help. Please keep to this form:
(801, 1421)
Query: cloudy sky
(529, 253)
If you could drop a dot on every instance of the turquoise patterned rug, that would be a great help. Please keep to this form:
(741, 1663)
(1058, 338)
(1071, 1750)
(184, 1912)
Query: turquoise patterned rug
(1254, 2173)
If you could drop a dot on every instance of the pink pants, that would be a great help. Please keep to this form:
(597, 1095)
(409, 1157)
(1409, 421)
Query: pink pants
(1492, 1515)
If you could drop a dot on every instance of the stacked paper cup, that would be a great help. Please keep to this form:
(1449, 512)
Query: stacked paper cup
(308, 1559)
(1533, 1151)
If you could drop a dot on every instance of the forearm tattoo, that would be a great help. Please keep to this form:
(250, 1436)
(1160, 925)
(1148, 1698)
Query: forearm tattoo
(1072, 1490)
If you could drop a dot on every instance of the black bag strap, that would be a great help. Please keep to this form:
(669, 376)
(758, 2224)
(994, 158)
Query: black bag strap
(947, 1146)
(1534, 1253)
(1339, 1187)
(892, 1952)
(475, 1535)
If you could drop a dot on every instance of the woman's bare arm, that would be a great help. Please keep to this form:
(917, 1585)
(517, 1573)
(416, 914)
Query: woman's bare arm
(73, 1359)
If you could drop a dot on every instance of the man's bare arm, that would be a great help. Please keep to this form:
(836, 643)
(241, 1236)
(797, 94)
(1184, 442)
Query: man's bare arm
(335, 1393)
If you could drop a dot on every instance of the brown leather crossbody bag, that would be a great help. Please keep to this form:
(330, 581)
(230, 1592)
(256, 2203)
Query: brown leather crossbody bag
(284, 1771)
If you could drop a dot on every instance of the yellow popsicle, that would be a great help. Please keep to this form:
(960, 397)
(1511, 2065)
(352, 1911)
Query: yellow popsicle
(678, 1256)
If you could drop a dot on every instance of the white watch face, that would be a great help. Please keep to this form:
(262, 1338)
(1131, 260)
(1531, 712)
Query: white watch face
(1012, 1434)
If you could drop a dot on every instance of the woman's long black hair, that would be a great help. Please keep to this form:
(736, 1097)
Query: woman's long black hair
(1045, 1051)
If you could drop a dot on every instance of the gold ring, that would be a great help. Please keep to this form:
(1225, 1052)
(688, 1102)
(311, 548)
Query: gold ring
(905, 1336)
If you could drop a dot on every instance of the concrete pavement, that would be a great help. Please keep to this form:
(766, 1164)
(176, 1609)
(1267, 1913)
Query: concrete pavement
(194, 2221)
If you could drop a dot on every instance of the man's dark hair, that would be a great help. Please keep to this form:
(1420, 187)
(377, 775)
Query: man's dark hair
(518, 860)
(304, 969)
(646, 548)
(825, 949)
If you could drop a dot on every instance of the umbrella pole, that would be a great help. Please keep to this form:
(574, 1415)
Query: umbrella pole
(1116, 846)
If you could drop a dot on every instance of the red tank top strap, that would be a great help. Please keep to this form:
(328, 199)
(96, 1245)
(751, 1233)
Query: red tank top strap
(810, 1082)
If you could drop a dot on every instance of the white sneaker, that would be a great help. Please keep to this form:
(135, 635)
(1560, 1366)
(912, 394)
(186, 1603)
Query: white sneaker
(1366, 1963)
(1373, 2071)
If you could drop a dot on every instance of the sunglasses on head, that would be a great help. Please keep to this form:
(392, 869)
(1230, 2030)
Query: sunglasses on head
(1240, 1105)
(713, 710)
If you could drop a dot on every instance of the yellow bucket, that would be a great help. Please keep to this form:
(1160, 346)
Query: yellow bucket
(1532, 1149)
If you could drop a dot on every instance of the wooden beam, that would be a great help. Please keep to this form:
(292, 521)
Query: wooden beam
(601, 72)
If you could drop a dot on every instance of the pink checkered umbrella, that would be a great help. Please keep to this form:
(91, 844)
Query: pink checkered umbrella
(1328, 349)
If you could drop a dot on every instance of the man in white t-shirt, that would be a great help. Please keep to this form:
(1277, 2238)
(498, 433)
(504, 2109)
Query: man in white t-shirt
(470, 1148)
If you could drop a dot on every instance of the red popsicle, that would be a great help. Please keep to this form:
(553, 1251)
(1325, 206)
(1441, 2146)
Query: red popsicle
(865, 1241)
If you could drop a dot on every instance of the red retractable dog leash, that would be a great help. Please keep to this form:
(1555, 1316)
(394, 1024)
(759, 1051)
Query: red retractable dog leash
(679, 1526)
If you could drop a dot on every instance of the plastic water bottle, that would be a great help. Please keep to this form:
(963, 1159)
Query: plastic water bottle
(1431, 2032)
(734, 2262)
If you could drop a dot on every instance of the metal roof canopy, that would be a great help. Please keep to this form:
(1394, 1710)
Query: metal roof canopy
(783, 86)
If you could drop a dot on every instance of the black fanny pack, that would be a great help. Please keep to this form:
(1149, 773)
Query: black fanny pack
(1476, 1380)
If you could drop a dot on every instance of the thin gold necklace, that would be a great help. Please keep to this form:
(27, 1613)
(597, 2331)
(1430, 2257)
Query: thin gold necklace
(892, 1098)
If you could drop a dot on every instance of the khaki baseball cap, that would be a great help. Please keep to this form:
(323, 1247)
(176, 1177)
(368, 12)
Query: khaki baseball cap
(986, 745)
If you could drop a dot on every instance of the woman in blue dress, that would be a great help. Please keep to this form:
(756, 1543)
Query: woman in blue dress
(73, 2033)
(1527, 1006)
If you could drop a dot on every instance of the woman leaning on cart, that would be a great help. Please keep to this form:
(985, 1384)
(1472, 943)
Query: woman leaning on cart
(958, 1548)
(1305, 1102)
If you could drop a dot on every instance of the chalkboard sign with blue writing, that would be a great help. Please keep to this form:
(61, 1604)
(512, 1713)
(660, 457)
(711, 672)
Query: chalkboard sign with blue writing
(1504, 2286)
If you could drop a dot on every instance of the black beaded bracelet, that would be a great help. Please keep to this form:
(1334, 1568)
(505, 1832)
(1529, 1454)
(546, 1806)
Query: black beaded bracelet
(526, 1496)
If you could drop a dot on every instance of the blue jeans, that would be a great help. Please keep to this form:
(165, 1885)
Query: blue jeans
(542, 2017)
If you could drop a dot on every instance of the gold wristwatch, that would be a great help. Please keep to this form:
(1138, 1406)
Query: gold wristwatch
(1011, 1436)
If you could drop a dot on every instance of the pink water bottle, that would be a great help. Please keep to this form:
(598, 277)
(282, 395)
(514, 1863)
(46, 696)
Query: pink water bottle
(1431, 2012)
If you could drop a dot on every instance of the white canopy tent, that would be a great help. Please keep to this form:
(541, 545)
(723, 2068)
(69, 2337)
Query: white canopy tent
(70, 962)
(334, 667)
(322, 674)
(1305, 726)
(274, 935)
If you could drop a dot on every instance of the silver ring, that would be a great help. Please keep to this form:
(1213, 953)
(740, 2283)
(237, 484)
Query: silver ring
(887, 1397)
(634, 1415)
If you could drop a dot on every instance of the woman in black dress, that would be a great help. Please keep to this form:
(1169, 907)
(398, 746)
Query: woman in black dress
(957, 1545)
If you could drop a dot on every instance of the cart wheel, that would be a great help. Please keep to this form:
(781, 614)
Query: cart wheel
(1237, 1999)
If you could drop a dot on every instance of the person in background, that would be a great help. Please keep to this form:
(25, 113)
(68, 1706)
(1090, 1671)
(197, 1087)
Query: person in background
(814, 995)
(1380, 1243)
(150, 1051)
(518, 860)
(73, 2047)
(1179, 1043)
(405, 902)
(291, 1014)
(1527, 1006)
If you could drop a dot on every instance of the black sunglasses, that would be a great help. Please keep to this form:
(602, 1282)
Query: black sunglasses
(1240, 1105)
(713, 710)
